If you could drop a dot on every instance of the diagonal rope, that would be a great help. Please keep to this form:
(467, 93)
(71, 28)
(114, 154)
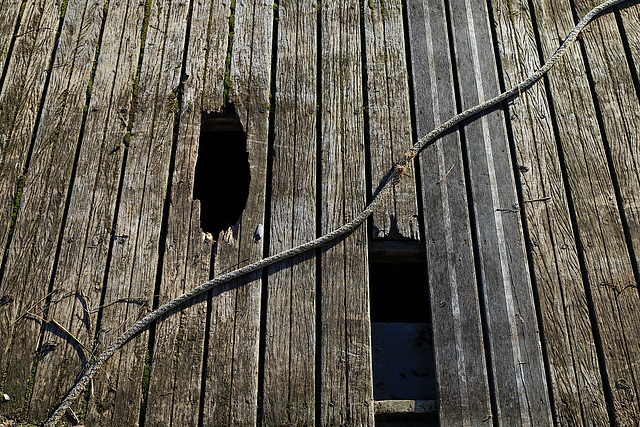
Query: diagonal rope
(396, 174)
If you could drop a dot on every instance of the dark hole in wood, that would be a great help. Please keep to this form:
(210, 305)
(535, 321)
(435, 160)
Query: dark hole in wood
(399, 293)
(222, 173)
(401, 335)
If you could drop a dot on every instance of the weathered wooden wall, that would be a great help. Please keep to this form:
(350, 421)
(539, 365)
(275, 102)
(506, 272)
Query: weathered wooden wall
(529, 213)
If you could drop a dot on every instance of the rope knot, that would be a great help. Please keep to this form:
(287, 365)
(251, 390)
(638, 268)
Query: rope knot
(400, 169)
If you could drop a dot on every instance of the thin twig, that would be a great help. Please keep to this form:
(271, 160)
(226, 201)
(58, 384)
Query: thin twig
(542, 199)
(446, 174)
(34, 304)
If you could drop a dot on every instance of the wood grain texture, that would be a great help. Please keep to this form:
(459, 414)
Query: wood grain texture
(88, 228)
(521, 392)
(389, 117)
(21, 97)
(9, 13)
(461, 366)
(46, 184)
(630, 18)
(571, 348)
(600, 232)
(178, 351)
(346, 390)
(134, 255)
(232, 367)
(618, 106)
(290, 347)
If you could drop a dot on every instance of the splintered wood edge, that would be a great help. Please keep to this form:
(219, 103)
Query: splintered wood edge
(405, 407)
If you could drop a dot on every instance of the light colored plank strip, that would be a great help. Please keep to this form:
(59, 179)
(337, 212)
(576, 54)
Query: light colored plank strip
(463, 387)
(232, 374)
(20, 100)
(518, 369)
(346, 382)
(174, 384)
(577, 386)
(9, 13)
(134, 256)
(289, 378)
(389, 117)
(87, 232)
(607, 262)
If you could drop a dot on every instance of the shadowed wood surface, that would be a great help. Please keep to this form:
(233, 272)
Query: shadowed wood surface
(527, 217)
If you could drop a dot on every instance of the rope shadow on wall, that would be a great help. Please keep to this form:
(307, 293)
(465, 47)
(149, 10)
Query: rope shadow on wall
(222, 174)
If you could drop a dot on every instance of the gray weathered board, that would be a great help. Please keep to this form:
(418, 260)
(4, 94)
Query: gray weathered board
(461, 368)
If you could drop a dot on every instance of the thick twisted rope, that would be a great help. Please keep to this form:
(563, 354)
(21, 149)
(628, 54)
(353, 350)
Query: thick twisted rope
(396, 174)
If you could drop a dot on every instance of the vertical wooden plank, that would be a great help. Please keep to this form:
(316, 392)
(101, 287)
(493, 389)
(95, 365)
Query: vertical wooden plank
(289, 378)
(463, 387)
(134, 255)
(630, 17)
(618, 107)
(178, 352)
(232, 370)
(513, 332)
(9, 13)
(45, 184)
(20, 97)
(571, 348)
(87, 232)
(600, 232)
(389, 117)
(346, 381)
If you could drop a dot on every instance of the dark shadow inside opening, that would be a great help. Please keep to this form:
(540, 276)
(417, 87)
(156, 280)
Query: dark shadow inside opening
(222, 174)
(399, 293)
(401, 335)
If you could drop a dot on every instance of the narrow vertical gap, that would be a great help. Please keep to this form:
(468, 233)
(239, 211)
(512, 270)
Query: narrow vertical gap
(626, 43)
(633, 68)
(209, 295)
(414, 120)
(165, 210)
(66, 206)
(610, 164)
(266, 238)
(14, 37)
(22, 179)
(74, 168)
(227, 72)
(17, 199)
(636, 83)
(608, 393)
(318, 252)
(105, 278)
(212, 273)
(523, 218)
(472, 220)
(205, 354)
(25, 168)
(366, 117)
(45, 91)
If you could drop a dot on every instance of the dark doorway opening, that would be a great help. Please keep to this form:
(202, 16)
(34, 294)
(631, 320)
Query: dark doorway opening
(402, 343)
(222, 173)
